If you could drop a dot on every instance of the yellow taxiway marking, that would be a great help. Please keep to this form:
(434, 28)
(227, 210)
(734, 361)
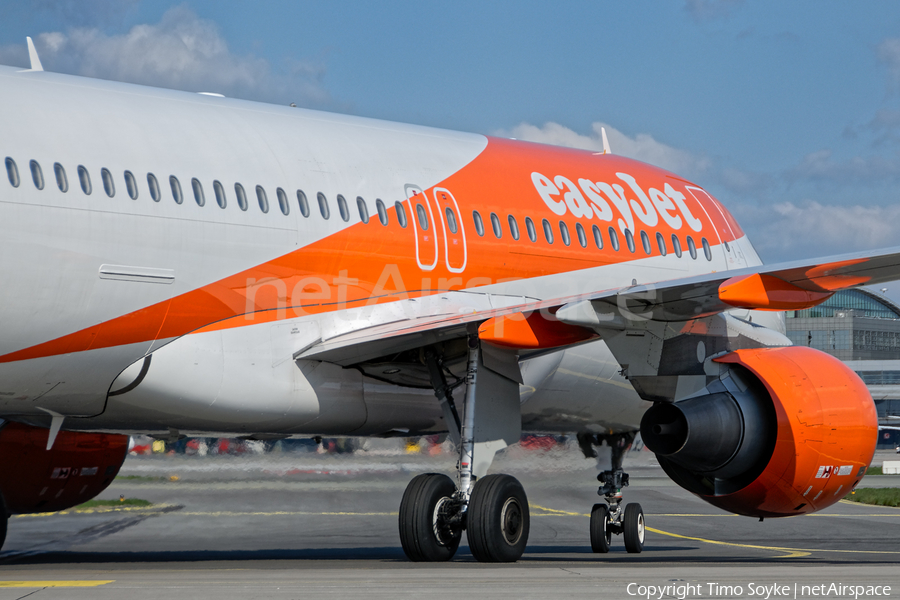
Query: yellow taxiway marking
(792, 552)
(554, 511)
(97, 509)
(852, 503)
(46, 584)
(788, 552)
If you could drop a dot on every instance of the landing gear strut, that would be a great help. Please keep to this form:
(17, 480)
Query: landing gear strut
(493, 509)
(609, 518)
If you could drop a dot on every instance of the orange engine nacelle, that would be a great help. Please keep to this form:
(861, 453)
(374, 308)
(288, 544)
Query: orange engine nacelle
(793, 436)
(77, 468)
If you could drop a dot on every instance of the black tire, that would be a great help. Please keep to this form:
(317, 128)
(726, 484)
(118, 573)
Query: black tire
(633, 528)
(497, 521)
(424, 535)
(600, 533)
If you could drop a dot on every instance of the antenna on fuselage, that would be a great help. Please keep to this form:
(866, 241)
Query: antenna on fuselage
(606, 149)
(33, 55)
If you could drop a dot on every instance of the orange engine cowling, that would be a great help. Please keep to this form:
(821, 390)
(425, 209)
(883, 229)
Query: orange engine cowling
(794, 437)
(77, 468)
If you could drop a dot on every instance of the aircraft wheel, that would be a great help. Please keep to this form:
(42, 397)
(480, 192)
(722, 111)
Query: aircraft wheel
(600, 533)
(425, 534)
(497, 519)
(633, 528)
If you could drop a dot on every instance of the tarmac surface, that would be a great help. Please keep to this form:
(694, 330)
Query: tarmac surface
(299, 525)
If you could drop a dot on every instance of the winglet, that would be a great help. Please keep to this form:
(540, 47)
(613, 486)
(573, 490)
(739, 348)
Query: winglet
(33, 55)
(606, 149)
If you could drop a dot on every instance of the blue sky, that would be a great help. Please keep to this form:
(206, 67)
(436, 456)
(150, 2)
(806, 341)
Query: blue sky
(788, 112)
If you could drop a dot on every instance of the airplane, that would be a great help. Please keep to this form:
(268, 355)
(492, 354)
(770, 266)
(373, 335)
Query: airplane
(185, 264)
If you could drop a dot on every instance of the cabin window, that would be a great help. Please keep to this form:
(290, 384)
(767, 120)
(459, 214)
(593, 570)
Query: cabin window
(692, 247)
(109, 185)
(153, 184)
(62, 182)
(582, 239)
(423, 218)
(176, 189)
(452, 225)
(495, 225)
(661, 243)
(37, 175)
(323, 205)
(676, 245)
(12, 172)
(479, 225)
(199, 198)
(241, 196)
(614, 239)
(564, 232)
(283, 201)
(304, 204)
(382, 212)
(221, 200)
(707, 251)
(598, 238)
(401, 214)
(645, 242)
(262, 199)
(342, 208)
(529, 227)
(629, 240)
(131, 185)
(363, 209)
(548, 231)
(85, 179)
(513, 227)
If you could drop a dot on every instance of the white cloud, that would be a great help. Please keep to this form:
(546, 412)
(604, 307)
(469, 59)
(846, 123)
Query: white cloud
(787, 230)
(641, 147)
(182, 51)
(820, 166)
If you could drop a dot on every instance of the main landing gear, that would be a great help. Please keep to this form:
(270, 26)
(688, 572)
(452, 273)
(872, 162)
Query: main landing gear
(492, 509)
(609, 518)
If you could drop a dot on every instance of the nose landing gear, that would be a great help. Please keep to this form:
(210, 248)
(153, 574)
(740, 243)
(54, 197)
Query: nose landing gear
(610, 518)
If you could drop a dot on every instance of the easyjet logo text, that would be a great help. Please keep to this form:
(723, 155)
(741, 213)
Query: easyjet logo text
(598, 199)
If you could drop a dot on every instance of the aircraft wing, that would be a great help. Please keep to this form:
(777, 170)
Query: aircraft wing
(784, 286)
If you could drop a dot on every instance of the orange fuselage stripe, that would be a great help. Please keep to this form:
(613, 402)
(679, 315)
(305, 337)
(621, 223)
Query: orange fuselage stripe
(371, 263)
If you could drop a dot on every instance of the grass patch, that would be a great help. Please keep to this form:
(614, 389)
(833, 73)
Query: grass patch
(877, 496)
(874, 471)
(104, 503)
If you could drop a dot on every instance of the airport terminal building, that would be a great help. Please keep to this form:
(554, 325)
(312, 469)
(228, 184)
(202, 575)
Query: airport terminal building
(862, 328)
